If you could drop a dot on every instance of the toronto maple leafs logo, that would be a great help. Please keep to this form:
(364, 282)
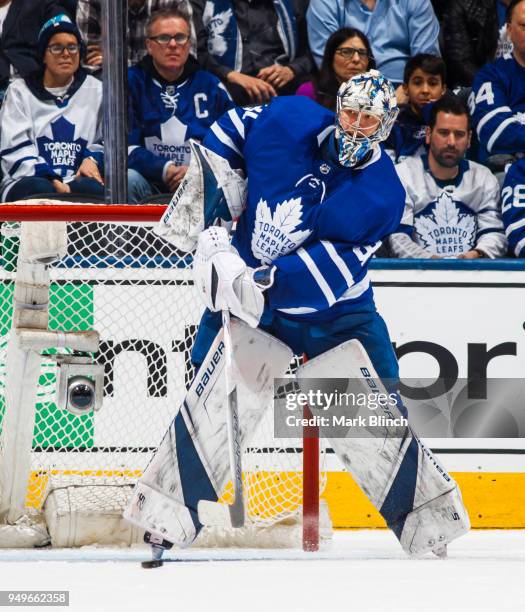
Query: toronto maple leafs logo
(445, 231)
(63, 152)
(216, 26)
(277, 234)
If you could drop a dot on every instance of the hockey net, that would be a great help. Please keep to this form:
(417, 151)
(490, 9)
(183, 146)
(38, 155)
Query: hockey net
(136, 291)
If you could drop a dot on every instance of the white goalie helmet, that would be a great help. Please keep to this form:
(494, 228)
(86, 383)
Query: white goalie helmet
(366, 111)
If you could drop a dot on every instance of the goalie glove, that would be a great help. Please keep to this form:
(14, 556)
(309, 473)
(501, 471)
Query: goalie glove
(224, 281)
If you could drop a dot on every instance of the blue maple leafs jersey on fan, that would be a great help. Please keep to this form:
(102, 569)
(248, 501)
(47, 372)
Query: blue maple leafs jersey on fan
(317, 222)
(497, 107)
(513, 207)
(47, 136)
(164, 116)
(451, 218)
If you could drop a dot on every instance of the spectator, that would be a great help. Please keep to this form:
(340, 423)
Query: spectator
(513, 207)
(20, 21)
(471, 35)
(257, 48)
(51, 122)
(451, 208)
(396, 29)
(89, 18)
(171, 100)
(346, 54)
(423, 82)
(497, 101)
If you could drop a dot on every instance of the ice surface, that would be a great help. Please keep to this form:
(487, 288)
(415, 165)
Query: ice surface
(363, 571)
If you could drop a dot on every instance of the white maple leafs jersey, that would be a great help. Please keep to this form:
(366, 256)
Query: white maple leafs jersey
(449, 218)
(49, 136)
(513, 207)
(317, 222)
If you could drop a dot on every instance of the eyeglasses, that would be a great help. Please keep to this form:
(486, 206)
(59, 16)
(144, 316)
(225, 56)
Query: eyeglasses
(59, 49)
(164, 39)
(348, 52)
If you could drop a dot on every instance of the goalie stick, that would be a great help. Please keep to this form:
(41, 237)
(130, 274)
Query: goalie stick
(216, 514)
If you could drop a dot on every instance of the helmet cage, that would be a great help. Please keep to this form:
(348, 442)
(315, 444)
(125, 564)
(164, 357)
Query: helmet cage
(368, 93)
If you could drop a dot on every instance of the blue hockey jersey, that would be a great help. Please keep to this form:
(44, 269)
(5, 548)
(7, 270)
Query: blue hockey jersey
(164, 115)
(317, 222)
(497, 106)
(407, 137)
(46, 135)
(513, 207)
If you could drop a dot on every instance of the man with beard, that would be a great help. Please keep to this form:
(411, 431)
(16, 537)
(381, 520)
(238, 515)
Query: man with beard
(452, 204)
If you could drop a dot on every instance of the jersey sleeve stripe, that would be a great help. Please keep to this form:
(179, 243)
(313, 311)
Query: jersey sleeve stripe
(519, 247)
(357, 290)
(339, 262)
(488, 116)
(224, 138)
(236, 120)
(497, 132)
(20, 145)
(490, 230)
(318, 277)
(514, 226)
(12, 171)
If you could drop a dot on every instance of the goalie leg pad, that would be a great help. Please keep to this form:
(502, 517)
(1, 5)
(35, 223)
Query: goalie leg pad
(433, 525)
(390, 464)
(192, 461)
(210, 190)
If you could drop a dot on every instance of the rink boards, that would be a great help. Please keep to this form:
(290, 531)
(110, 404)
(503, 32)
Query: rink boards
(444, 315)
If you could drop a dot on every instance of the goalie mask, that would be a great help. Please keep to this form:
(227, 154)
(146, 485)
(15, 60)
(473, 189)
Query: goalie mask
(366, 111)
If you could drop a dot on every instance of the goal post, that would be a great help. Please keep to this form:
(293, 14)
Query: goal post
(70, 474)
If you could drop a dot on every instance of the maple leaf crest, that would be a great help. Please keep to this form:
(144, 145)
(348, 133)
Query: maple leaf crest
(432, 227)
(216, 25)
(63, 152)
(276, 234)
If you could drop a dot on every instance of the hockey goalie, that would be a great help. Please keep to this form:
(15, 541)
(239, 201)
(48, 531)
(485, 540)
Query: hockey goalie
(312, 201)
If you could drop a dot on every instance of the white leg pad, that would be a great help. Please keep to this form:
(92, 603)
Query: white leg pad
(192, 461)
(404, 481)
(159, 513)
(435, 524)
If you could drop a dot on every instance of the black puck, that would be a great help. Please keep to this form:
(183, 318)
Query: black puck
(152, 563)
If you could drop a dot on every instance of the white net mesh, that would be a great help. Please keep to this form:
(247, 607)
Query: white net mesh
(136, 290)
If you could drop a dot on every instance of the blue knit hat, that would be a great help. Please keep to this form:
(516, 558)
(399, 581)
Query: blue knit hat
(56, 25)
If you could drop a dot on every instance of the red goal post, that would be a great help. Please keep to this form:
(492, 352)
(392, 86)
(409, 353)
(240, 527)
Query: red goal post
(87, 225)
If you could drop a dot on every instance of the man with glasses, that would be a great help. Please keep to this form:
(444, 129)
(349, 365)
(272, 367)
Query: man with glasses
(170, 100)
(139, 11)
(259, 49)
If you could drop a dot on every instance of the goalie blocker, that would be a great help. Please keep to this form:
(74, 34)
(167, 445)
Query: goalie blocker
(420, 502)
